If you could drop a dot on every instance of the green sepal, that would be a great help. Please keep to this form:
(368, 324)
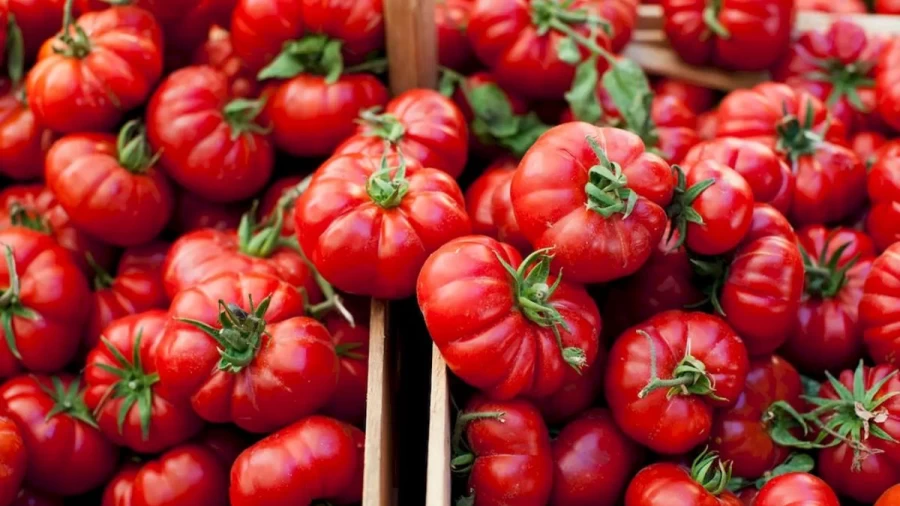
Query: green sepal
(582, 98)
(67, 401)
(315, 54)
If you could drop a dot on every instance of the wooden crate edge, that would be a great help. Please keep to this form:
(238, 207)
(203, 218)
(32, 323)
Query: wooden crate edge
(437, 487)
(378, 461)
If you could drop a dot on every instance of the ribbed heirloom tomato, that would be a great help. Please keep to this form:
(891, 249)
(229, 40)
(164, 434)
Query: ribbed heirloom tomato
(667, 484)
(883, 220)
(13, 459)
(22, 141)
(595, 196)
(166, 12)
(38, 20)
(265, 364)
(796, 489)
(879, 308)
(665, 377)
(526, 329)
(887, 83)
(123, 387)
(890, 497)
(368, 225)
(351, 344)
(480, 195)
(452, 18)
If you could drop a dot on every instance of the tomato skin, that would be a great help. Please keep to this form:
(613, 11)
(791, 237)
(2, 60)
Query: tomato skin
(270, 200)
(64, 102)
(22, 141)
(577, 395)
(201, 255)
(593, 461)
(365, 249)
(879, 471)
(796, 489)
(169, 423)
(878, 309)
(697, 98)
(13, 455)
(165, 11)
(526, 63)
(504, 217)
(890, 497)
(673, 425)
(37, 19)
(468, 269)
(194, 213)
(187, 33)
(315, 458)
(886, 89)
(480, 195)
(830, 325)
(218, 52)
(836, 7)
(115, 204)
(588, 247)
(66, 456)
(866, 144)
(759, 32)
(296, 354)
(348, 403)
(452, 18)
(762, 292)
(667, 484)
(311, 118)
(740, 434)
(186, 475)
(768, 175)
(435, 132)
(200, 147)
(259, 28)
(56, 292)
(707, 124)
(726, 208)
(767, 221)
(884, 192)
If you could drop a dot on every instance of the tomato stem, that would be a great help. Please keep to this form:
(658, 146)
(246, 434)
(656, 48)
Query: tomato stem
(134, 152)
(10, 305)
(260, 240)
(67, 401)
(384, 126)
(75, 46)
(711, 19)
(22, 217)
(15, 51)
(384, 190)
(134, 385)
(824, 278)
(607, 187)
(710, 472)
(456, 441)
(798, 139)
(680, 211)
(240, 334)
(241, 115)
(689, 377)
(314, 54)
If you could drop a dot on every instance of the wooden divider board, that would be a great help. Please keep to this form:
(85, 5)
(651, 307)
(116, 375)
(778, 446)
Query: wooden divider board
(437, 491)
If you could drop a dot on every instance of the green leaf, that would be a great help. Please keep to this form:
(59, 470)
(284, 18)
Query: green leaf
(568, 51)
(332, 61)
(629, 89)
(15, 50)
(582, 98)
(530, 129)
(284, 66)
(491, 106)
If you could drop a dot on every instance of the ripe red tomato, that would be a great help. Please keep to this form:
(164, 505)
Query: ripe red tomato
(14, 457)
(516, 41)
(887, 7)
(796, 488)
(368, 225)
(864, 407)
(761, 293)
(122, 388)
(837, 263)
(226, 441)
(883, 220)
(218, 52)
(740, 434)
(64, 100)
(837, 66)
(595, 196)
(209, 143)
(879, 308)
(890, 497)
(592, 461)
(351, 344)
(480, 195)
(504, 217)
(666, 375)
(166, 12)
(833, 6)
(768, 221)
(697, 98)
(734, 35)
(579, 392)
(136, 287)
(67, 455)
(768, 175)
(268, 365)
(665, 484)
(111, 187)
(184, 476)
(866, 144)
(452, 20)
(287, 466)
(37, 19)
(421, 125)
(43, 306)
(283, 193)
(707, 124)
(194, 213)
(22, 141)
(520, 306)
(507, 455)
(887, 84)
(830, 179)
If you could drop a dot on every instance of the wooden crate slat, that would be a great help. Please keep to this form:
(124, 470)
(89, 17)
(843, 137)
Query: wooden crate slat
(411, 44)
(661, 60)
(378, 473)
(437, 491)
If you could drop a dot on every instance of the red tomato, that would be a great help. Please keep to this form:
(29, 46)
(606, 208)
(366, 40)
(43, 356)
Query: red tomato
(866, 144)
(194, 213)
(45, 301)
(137, 287)
(37, 19)
(514, 39)
(592, 461)
(837, 67)
(740, 434)
(887, 84)
(707, 123)
(622, 17)
(578, 393)
(186, 34)
(122, 387)
(28, 497)
(761, 293)
(890, 497)
(34, 206)
(13, 455)
(311, 117)
(732, 34)
(452, 20)
(601, 228)
(22, 141)
(768, 221)
(504, 217)
(796, 489)
(351, 344)
(879, 309)
(883, 220)
(830, 179)
(368, 225)
(184, 476)
(480, 195)
(315, 458)
(225, 441)
(864, 407)
(67, 455)
(421, 125)
(65, 101)
(697, 98)
(768, 175)
(166, 12)
(887, 7)
(508, 455)
(837, 264)
(111, 188)
(268, 365)
(668, 484)
(834, 6)
(218, 52)
(665, 376)
(209, 143)
(283, 193)
(553, 324)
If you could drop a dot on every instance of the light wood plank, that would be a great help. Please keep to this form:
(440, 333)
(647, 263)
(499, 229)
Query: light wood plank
(661, 60)
(437, 491)
(379, 465)
(411, 44)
